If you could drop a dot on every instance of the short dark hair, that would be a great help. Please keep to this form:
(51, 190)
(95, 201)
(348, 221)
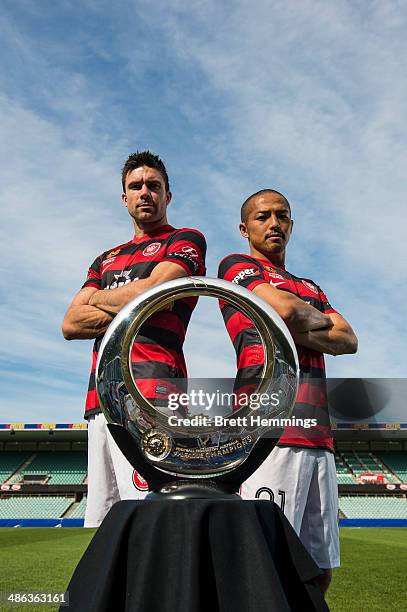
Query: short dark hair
(144, 158)
(243, 210)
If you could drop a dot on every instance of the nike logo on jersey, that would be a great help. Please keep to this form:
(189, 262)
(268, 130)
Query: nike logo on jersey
(276, 284)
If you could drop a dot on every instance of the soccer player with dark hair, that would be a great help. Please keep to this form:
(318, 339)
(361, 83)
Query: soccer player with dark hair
(300, 472)
(157, 253)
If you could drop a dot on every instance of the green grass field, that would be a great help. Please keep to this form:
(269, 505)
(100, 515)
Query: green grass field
(372, 576)
(39, 560)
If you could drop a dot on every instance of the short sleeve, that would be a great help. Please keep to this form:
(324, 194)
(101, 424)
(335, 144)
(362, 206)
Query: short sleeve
(94, 277)
(326, 305)
(241, 270)
(188, 249)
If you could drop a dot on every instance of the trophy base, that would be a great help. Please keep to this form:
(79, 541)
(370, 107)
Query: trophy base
(184, 489)
(164, 484)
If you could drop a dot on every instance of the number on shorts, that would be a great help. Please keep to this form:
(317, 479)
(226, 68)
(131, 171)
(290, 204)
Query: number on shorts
(270, 493)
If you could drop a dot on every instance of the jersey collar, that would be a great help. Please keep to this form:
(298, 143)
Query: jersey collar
(267, 262)
(155, 233)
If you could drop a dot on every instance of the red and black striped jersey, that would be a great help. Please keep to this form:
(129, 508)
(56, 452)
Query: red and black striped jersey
(312, 400)
(157, 352)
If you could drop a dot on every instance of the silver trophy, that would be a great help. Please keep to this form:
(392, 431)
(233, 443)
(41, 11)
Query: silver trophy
(185, 453)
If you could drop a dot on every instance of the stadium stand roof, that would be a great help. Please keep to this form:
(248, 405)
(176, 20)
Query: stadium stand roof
(342, 430)
(43, 431)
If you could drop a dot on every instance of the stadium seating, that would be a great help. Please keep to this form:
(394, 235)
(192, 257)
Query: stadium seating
(346, 479)
(373, 507)
(343, 474)
(79, 511)
(10, 461)
(397, 462)
(21, 507)
(364, 462)
(61, 467)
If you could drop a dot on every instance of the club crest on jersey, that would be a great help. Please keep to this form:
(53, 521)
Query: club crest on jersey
(139, 482)
(243, 274)
(152, 249)
(310, 286)
(190, 251)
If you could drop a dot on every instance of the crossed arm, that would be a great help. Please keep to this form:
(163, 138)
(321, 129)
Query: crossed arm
(92, 310)
(309, 327)
(339, 339)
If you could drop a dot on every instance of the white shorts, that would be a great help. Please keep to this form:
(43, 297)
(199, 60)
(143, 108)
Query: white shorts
(302, 482)
(111, 477)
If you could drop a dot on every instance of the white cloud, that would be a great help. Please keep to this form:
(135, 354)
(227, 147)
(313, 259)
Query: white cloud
(312, 98)
(59, 211)
(307, 97)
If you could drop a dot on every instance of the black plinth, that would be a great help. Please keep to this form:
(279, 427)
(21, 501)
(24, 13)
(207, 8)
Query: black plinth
(193, 556)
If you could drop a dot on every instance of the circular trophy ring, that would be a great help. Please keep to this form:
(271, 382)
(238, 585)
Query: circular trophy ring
(119, 337)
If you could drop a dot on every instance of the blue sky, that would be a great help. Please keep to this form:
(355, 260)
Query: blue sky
(306, 97)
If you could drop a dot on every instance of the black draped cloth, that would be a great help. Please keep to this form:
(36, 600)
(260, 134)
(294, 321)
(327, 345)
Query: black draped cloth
(195, 555)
